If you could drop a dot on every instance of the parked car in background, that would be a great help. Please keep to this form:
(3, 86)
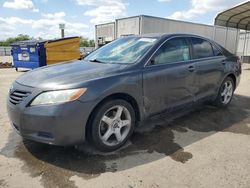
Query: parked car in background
(103, 97)
(84, 51)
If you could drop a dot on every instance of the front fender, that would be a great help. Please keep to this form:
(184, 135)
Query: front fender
(127, 83)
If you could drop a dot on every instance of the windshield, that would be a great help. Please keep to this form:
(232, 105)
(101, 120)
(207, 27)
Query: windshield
(124, 50)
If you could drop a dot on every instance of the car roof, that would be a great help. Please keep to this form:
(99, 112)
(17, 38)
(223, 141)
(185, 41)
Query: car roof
(167, 35)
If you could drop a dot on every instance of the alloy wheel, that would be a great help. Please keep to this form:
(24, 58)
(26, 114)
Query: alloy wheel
(115, 125)
(227, 92)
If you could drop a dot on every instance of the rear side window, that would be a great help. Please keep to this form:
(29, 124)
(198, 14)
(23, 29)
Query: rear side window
(201, 48)
(217, 52)
(174, 50)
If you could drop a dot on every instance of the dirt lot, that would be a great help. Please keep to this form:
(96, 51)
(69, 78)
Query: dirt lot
(6, 59)
(208, 147)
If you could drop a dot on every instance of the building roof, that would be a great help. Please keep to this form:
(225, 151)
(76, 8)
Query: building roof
(236, 17)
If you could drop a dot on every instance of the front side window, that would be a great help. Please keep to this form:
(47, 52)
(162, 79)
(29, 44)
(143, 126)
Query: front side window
(201, 48)
(217, 52)
(174, 50)
(123, 51)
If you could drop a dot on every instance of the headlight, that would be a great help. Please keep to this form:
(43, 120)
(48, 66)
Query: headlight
(60, 96)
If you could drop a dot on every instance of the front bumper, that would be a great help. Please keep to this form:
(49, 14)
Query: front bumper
(61, 124)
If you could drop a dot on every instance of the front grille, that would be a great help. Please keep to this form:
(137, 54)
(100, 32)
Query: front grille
(17, 96)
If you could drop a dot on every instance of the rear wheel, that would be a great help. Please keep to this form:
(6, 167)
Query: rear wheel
(225, 93)
(112, 125)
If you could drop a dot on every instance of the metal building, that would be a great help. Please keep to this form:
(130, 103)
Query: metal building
(243, 50)
(227, 37)
(238, 17)
(105, 33)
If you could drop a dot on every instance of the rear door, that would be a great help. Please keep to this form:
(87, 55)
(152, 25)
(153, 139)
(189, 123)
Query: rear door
(209, 67)
(168, 78)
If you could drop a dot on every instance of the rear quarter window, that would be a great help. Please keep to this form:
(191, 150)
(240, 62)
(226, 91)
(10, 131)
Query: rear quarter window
(225, 52)
(217, 52)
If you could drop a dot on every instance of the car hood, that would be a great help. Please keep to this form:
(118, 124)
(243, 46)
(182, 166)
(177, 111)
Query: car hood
(68, 74)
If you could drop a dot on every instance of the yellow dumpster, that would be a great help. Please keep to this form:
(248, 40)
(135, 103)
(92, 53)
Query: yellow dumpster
(62, 50)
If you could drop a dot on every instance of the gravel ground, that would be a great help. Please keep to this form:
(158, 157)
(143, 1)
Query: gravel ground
(208, 147)
(6, 59)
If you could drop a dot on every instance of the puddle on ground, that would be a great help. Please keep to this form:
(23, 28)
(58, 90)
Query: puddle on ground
(160, 140)
(181, 156)
(2, 183)
(56, 165)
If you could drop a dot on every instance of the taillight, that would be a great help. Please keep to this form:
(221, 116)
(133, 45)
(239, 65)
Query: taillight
(239, 61)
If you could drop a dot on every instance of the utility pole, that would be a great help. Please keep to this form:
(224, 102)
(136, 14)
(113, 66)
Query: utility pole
(62, 27)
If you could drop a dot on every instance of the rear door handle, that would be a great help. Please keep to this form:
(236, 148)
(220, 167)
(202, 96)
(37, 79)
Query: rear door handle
(191, 68)
(223, 62)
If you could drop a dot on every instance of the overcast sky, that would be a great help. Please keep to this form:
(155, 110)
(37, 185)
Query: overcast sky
(40, 18)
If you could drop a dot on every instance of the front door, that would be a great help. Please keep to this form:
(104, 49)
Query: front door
(168, 78)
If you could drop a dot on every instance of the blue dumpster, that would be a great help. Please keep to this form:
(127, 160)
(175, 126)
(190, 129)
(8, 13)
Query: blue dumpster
(37, 53)
(28, 54)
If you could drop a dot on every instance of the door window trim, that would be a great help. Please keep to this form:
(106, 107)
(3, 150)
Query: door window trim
(212, 45)
(216, 46)
(192, 44)
(147, 64)
(188, 39)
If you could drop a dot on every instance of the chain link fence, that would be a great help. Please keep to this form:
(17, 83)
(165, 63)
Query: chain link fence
(5, 51)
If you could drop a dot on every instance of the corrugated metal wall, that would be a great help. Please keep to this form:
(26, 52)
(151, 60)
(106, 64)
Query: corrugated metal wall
(128, 26)
(227, 37)
(159, 25)
(219, 35)
(232, 39)
(106, 31)
(243, 42)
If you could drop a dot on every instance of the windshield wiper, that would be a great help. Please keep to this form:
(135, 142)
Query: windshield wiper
(96, 61)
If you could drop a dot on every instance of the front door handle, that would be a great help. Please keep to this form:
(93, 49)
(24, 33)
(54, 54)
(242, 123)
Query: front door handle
(191, 68)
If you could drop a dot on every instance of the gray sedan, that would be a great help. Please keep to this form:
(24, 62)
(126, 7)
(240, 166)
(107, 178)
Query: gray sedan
(103, 97)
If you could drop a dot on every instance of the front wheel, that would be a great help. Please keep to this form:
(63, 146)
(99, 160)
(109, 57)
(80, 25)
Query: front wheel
(226, 92)
(112, 125)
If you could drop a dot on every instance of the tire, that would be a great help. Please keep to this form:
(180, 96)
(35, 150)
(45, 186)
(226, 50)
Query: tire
(109, 131)
(224, 97)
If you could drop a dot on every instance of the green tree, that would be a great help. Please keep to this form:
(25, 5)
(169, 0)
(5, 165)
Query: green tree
(10, 40)
(85, 42)
(91, 43)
